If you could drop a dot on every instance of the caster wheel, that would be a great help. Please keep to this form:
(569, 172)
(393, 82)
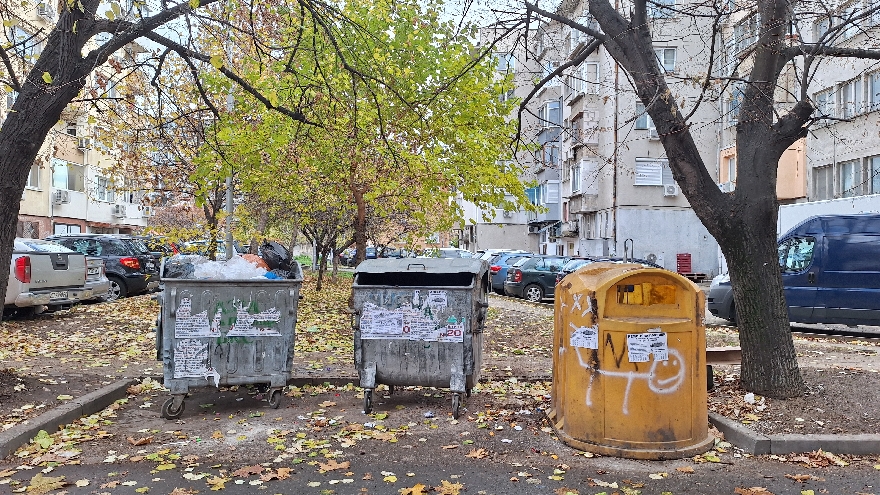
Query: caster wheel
(456, 405)
(262, 387)
(275, 399)
(168, 411)
(368, 401)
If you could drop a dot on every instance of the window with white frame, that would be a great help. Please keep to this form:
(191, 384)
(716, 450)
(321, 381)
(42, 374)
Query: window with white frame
(731, 168)
(733, 103)
(851, 98)
(874, 91)
(504, 62)
(551, 155)
(666, 58)
(847, 17)
(653, 172)
(575, 177)
(550, 114)
(34, 177)
(24, 44)
(823, 183)
(104, 189)
(850, 178)
(821, 26)
(66, 175)
(548, 67)
(825, 102)
(590, 78)
(746, 32)
(874, 179)
(660, 8)
(643, 120)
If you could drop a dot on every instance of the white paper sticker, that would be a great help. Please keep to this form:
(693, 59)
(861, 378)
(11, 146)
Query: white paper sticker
(191, 358)
(452, 333)
(640, 345)
(259, 324)
(585, 337)
(411, 323)
(436, 299)
(378, 323)
(188, 325)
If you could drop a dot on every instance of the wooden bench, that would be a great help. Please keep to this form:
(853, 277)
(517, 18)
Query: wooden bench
(720, 355)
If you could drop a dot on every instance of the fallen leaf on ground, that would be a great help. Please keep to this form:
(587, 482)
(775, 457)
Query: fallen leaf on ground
(448, 447)
(803, 478)
(183, 491)
(137, 442)
(755, 490)
(82, 483)
(566, 491)
(417, 489)
(217, 483)
(447, 488)
(333, 465)
(41, 485)
(246, 471)
(478, 454)
(685, 469)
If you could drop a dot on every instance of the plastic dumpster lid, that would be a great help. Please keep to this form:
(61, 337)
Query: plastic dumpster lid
(424, 265)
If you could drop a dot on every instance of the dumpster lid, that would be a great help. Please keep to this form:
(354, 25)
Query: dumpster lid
(424, 265)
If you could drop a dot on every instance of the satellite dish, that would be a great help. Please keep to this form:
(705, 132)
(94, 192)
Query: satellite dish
(652, 258)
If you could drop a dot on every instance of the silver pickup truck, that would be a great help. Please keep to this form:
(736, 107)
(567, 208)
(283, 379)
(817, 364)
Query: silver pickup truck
(44, 276)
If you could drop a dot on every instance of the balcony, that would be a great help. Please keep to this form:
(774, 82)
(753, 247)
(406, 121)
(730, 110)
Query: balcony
(552, 214)
(583, 203)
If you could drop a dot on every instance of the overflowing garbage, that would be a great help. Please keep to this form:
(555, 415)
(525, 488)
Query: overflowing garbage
(273, 262)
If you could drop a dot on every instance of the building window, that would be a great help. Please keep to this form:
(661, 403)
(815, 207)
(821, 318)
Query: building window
(851, 98)
(551, 155)
(653, 172)
(825, 102)
(643, 120)
(34, 177)
(660, 8)
(104, 189)
(666, 58)
(549, 67)
(823, 183)
(504, 62)
(66, 175)
(850, 178)
(734, 102)
(874, 91)
(550, 114)
(589, 78)
(576, 177)
(874, 170)
(745, 33)
(731, 169)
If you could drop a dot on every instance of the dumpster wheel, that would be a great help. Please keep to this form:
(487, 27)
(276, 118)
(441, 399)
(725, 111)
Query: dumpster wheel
(456, 405)
(168, 409)
(368, 401)
(275, 398)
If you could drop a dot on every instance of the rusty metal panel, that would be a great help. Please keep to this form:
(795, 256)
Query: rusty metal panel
(228, 332)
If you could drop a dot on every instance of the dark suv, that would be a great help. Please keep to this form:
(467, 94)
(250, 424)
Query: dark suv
(130, 266)
(534, 278)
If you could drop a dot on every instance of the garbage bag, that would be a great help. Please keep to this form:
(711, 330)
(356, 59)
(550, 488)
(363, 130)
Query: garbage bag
(275, 255)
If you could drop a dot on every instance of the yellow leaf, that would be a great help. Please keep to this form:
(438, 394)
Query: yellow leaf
(389, 479)
(110, 15)
(447, 488)
(41, 485)
(74, 26)
(217, 61)
(417, 489)
(165, 467)
(685, 469)
(47, 78)
(10, 23)
(808, 492)
(82, 483)
(143, 489)
(194, 4)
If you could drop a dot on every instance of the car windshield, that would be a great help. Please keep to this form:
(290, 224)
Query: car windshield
(515, 259)
(139, 246)
(41, 246)
(521, 262)
(575, 264)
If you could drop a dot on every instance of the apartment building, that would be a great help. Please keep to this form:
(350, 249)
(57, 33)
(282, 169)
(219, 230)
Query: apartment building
(72, 186)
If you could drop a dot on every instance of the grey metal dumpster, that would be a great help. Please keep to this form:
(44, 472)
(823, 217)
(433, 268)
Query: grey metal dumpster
(420, 322)
(226, 332)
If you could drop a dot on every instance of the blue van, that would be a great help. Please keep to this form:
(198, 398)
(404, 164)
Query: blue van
(830, 272)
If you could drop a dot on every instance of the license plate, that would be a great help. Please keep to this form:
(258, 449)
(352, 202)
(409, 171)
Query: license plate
(61, 294)
(94, 271)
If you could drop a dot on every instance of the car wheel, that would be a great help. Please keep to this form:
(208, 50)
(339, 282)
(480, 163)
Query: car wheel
(117, 289)
(533, 293)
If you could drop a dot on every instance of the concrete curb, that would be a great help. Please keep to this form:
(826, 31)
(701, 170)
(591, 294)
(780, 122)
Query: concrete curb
(755, 443)
(12, 439)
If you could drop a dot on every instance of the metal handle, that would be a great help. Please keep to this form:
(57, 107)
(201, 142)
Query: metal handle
(811, 277)
(172, 296)
(409, 266)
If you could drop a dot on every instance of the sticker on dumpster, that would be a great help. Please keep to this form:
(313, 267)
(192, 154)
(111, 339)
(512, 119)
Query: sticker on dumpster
(256, 324)
(585, 337)
(410, 323)
(452, 333)
(379, 323)
(191, 358)
(187, 325)
(436, 299)
(640, 345)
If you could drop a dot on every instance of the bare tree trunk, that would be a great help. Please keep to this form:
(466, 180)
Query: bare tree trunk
(360, 225)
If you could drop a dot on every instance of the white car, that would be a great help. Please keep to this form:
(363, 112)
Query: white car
(44, 276)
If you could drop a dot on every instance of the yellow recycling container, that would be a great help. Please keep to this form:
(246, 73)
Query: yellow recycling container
(629, 368)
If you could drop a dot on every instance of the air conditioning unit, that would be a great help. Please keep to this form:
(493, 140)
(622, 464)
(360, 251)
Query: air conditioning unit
(653, 135)
(119, 211)
(727, 187)
(84, 143)
(508, 214)
(670, 190)
(147, 211)
(45, 10)
(533, 229)
(61, 197)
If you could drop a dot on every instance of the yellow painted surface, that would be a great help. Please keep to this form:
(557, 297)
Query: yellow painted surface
(611, 400)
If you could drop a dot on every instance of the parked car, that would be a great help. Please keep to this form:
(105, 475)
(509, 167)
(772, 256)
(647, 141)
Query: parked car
(129, 264)
(96, 278)
(446, 253)
(534, 278)
(44, 277)
(830, 272)
(575, 263)
(499, 263)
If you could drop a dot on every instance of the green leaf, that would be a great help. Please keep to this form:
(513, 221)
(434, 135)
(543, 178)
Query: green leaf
(10, 23)
(43, 439)
(74, 26)
(47, 78)
(110, 15)
(217, 61)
